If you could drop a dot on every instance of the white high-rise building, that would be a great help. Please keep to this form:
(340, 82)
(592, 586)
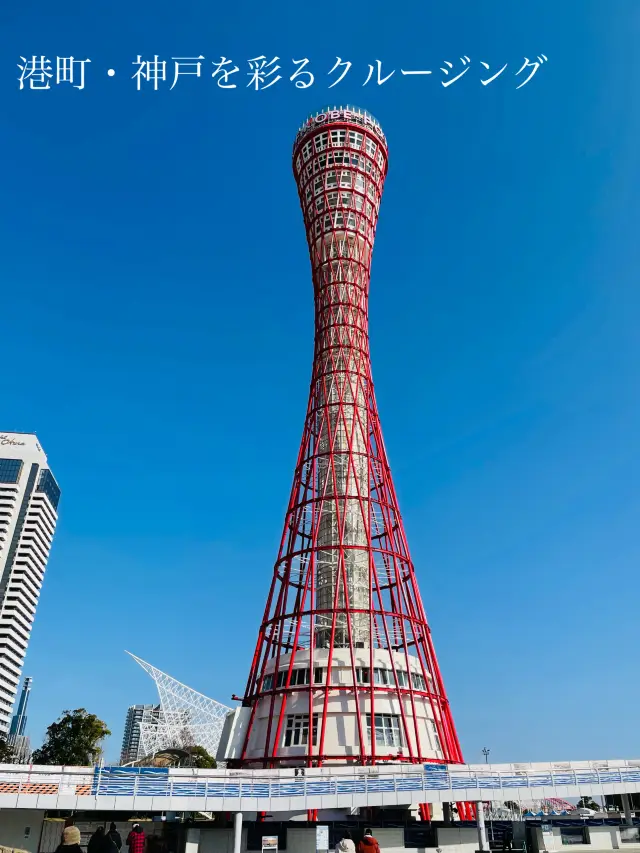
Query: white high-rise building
(29, 498)
(132, 743)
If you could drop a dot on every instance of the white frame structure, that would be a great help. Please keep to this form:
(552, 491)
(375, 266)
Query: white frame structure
(186, 718)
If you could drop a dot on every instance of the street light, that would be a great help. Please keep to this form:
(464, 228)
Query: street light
(486, 752)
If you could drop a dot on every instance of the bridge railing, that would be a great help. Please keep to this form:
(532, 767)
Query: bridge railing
(227, 784)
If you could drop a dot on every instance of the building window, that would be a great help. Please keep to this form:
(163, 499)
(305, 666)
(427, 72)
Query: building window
(48, 485)
(299, 677)
(321, 141)
(381, 676)
(403, 681)
(418, 681)
(362, 675)
(435, 736)
(387, 729)
(297, 730)
(10, 470)
(574, 835)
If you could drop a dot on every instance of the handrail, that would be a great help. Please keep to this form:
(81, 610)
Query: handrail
(479, 782)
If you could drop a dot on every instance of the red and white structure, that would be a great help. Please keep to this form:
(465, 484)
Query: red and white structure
(344, 669)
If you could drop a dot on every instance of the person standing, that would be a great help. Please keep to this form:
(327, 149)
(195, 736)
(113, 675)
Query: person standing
(368, 843)
(346, 845)
(135, 839)
(96, 842)
(70, 841)
(113, 840)
(507, 839)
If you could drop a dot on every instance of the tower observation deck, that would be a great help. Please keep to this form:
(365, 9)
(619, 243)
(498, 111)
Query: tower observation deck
(344, 668)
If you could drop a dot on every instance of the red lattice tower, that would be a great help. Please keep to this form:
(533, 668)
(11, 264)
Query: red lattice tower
(344, 668)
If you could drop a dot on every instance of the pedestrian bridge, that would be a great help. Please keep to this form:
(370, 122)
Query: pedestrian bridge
(183, 789)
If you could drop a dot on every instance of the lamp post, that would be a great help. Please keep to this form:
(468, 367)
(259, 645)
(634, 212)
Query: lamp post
(486, 752)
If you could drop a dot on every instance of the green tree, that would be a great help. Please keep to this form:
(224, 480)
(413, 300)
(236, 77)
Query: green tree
(588, 803)
(199, 757)
(74, 739)
(7, 755)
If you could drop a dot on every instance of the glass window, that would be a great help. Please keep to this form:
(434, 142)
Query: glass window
(48, 485)
(10, 470)
(435, 735)
(267, 682)
(381, 676)
(321, 142)
(403, 680)
(362, 674)
(297, 730)
(387, 729)
(418, 681)
(299, 677)
(574, 835)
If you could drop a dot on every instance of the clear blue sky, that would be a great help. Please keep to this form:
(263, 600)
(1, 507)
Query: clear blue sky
(156, 330)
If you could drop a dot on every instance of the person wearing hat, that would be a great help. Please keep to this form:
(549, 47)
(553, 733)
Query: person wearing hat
(113, 840)
(70, 841)
(135, 839)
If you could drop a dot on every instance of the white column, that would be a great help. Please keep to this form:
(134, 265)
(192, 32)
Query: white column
(626, 805)
(237, 832)
(482, 835)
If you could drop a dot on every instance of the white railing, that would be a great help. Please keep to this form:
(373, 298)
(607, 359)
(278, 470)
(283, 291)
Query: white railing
(415, 783)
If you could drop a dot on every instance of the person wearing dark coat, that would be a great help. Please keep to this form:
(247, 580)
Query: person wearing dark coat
(70, 841)
(507, 839)
(96, 842)
(113, 840)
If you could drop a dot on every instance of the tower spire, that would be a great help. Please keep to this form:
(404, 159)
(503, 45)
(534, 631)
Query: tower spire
(344, 668)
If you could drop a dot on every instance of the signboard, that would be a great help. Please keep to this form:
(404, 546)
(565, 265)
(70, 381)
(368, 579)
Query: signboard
(270, 843)
(340, 115)
(322, 839)
(547, 837)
